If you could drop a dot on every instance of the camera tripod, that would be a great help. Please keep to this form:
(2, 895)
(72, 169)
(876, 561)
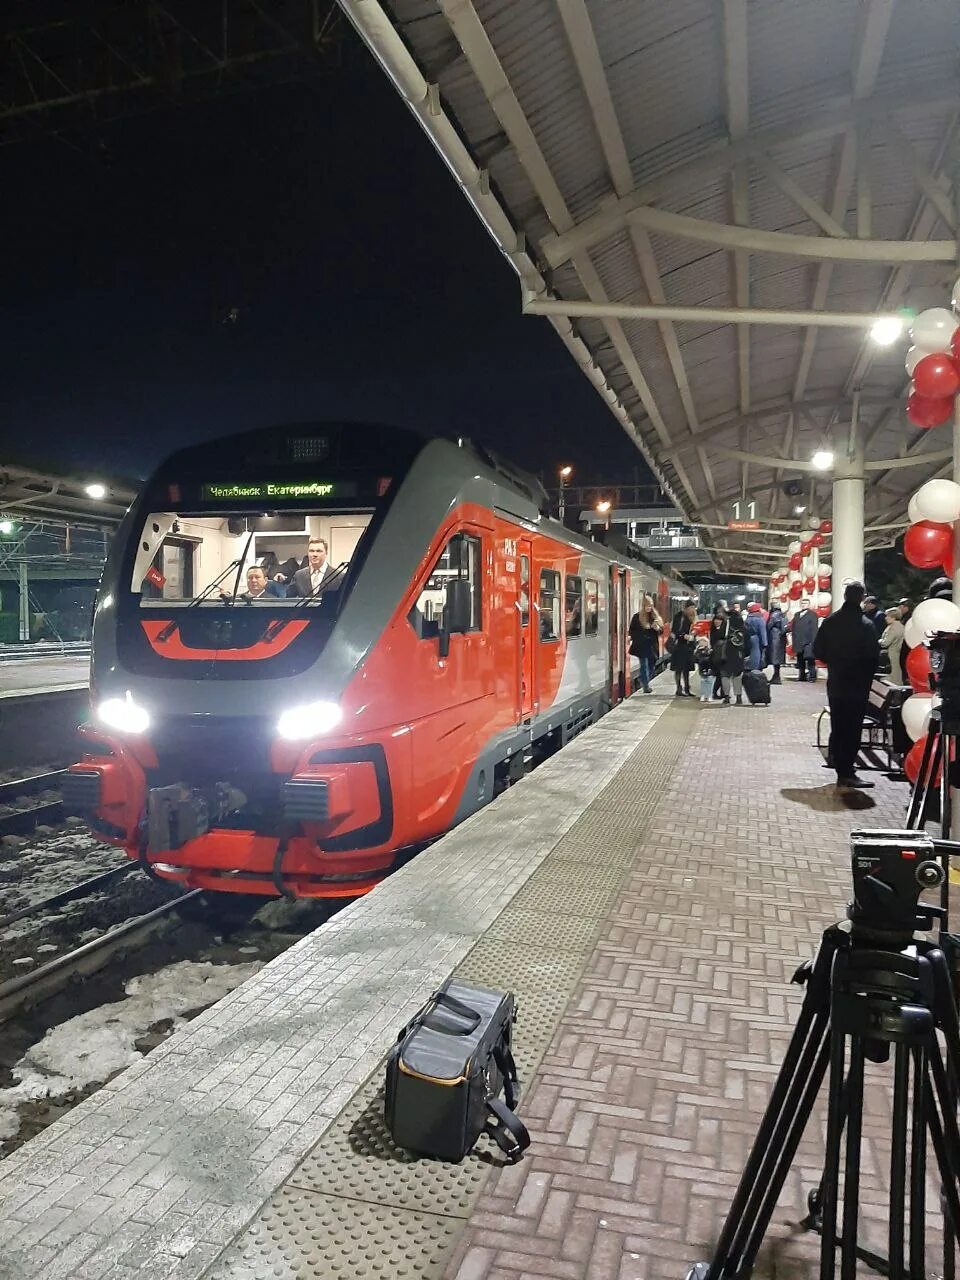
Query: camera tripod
(869, 993)
(939, 754)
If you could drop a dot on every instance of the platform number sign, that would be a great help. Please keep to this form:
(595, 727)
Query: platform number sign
(744, 515)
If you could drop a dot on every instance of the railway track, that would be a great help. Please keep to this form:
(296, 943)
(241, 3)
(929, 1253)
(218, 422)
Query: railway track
(27, 802)
(29, 989)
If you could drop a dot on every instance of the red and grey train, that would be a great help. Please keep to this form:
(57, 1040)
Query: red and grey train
(295, 745)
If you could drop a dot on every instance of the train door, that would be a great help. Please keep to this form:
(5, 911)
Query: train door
(618, 628)
(526, 649)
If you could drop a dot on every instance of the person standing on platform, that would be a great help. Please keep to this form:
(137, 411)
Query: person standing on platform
(776, 642)
(681, 659)
(847, 642)
(645, 628)
(756, 633)
(717, 633)
(891, 642)
(804, 632)
(875, 615)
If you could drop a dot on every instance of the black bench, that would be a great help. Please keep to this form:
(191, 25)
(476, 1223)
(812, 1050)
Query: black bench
(883, 731)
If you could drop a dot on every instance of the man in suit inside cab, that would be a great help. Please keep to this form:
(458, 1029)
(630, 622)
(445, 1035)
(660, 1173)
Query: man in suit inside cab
(307, 581)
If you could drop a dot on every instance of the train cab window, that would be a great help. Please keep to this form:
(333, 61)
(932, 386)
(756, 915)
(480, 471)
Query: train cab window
(460, 558)
(549, 605)
(591, 610)
(573, 605)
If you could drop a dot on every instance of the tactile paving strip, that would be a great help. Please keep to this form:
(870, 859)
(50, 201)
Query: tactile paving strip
(302, 1234)
(358, 1206)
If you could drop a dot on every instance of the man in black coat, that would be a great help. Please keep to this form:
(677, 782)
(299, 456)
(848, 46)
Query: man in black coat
(847, 643)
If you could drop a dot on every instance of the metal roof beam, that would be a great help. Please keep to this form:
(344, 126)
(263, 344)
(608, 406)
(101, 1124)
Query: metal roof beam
(795, 193)
(721, 235)
(876, 24)
(718, 159)
(537, 306)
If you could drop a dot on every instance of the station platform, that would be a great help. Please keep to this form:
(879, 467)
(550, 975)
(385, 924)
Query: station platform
(21, 677)
(647, 894)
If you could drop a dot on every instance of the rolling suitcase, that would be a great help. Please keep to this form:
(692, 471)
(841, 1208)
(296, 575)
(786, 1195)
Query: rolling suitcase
(757, 688)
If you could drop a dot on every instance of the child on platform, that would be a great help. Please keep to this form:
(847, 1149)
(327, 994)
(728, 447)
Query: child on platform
(703, 658)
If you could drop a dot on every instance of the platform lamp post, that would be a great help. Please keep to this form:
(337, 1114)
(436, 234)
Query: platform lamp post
(565, 473)
(603, 506)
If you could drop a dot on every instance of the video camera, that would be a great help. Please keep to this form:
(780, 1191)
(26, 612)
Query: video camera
(945, 665)
(890, 871)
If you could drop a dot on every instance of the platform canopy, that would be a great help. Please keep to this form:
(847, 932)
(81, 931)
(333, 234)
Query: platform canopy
(92, 499)
(712, 200)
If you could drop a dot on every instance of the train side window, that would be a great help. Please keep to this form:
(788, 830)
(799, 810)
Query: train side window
(524, 591)
(460, 558)
(549, 605)
(573, 605)
(591, 613)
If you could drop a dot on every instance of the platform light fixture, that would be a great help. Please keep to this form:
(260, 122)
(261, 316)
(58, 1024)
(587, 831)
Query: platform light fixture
(603, 506)
(566, 472)
(823, 459)
(798, 511)
(95, 490)
(6, 526)
(885, 330)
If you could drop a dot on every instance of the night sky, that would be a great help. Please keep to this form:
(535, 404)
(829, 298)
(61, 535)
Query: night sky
(364, 288)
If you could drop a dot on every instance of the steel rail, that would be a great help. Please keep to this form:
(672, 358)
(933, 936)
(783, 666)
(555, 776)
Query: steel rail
(52, 977)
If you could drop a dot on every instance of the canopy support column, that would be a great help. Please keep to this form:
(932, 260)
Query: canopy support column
(848, 522)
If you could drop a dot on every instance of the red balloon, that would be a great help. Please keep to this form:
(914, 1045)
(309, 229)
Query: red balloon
(823, 584)
(918, 668)
(826, 526)
(805, 548)
(924, 412)
(823, 611)
(947, 563)
(809, 584)
(927, 543)
(796, 591)
(955, 344)
(914, 758)
(795, 560)
(817, 540)
(936, 376)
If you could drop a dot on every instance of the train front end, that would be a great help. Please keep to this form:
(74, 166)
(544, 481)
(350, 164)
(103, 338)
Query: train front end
(230, 747)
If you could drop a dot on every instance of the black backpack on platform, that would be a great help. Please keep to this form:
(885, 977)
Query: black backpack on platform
(446, 1073)
(757, 688)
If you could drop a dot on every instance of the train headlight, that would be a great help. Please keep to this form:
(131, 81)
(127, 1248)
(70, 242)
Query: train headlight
(309, 720)
(124, 715)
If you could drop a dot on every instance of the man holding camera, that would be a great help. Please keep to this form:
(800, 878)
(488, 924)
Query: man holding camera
(847, 642)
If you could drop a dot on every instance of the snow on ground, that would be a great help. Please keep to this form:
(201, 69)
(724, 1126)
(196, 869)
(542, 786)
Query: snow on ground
(49, 865)
(94, 1046)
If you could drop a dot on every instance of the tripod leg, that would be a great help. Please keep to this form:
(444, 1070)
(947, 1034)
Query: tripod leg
(898, 1160)
(851, 1178)
(918, 1167)
(784, 1158)
(929, 763)
(742, 1225)
(831, 1163)
(946, 1144)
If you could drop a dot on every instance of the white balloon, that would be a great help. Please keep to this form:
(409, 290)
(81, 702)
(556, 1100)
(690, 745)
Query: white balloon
(916, 714)
(793, 548)
(938, 500)
(795, 575)
(912, 359)
(825, 570)
(933, 329)
(912, 635)
(824, 597)
(936, 615)
(913, 514)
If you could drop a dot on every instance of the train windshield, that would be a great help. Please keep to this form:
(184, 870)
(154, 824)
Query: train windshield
(273, 559)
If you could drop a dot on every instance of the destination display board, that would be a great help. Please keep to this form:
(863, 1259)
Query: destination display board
(272, 491)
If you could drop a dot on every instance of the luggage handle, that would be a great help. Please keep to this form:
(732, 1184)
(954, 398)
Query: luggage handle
(508, 1131)
(456, 1007)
